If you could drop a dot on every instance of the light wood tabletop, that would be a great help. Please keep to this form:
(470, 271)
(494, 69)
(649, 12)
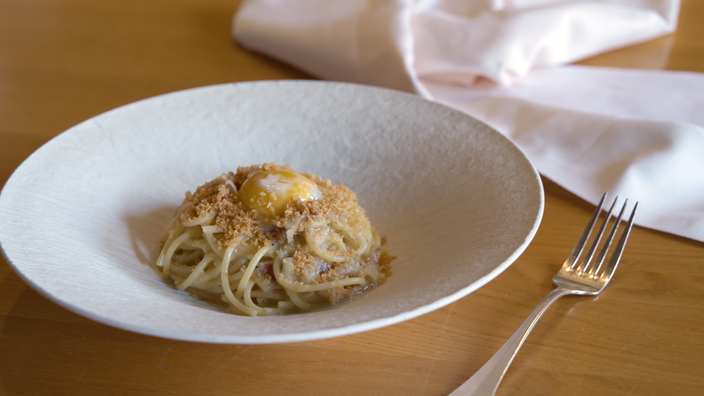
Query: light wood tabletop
(64, 61)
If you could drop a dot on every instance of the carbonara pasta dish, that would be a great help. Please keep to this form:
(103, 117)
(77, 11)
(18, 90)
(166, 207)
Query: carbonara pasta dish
(268, 240)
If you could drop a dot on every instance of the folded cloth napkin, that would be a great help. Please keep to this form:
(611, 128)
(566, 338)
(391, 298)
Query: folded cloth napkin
(636, 133)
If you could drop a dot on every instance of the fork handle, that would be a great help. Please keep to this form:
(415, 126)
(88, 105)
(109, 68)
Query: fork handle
(485, 381)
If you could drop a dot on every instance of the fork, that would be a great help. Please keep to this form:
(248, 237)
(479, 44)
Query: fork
(586, 277)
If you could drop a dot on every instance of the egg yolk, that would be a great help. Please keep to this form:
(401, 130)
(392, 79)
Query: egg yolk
(268, 192)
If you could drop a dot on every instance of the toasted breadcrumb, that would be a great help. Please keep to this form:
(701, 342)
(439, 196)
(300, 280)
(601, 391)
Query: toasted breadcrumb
(384, 265)
(233, 220)
(236, 222)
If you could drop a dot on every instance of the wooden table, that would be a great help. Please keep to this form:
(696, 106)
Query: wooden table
(64, 61)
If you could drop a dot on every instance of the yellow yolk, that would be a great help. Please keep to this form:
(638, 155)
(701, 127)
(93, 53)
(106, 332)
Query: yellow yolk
(269, 191)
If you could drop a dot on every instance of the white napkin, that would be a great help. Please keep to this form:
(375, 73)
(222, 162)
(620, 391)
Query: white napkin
(636, 133)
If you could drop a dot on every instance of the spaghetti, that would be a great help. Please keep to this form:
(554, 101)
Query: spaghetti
(267, 240)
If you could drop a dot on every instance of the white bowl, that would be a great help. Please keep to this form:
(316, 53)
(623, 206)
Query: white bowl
(81, 218)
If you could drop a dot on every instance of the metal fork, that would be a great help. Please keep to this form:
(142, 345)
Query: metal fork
(586, 277)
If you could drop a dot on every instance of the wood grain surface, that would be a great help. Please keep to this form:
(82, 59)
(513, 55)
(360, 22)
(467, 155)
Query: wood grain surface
(63, 61)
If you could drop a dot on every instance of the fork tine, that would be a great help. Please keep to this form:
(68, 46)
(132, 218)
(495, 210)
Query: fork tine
(587, 260)
(582, 241)
(618, 250)
(599, 262)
